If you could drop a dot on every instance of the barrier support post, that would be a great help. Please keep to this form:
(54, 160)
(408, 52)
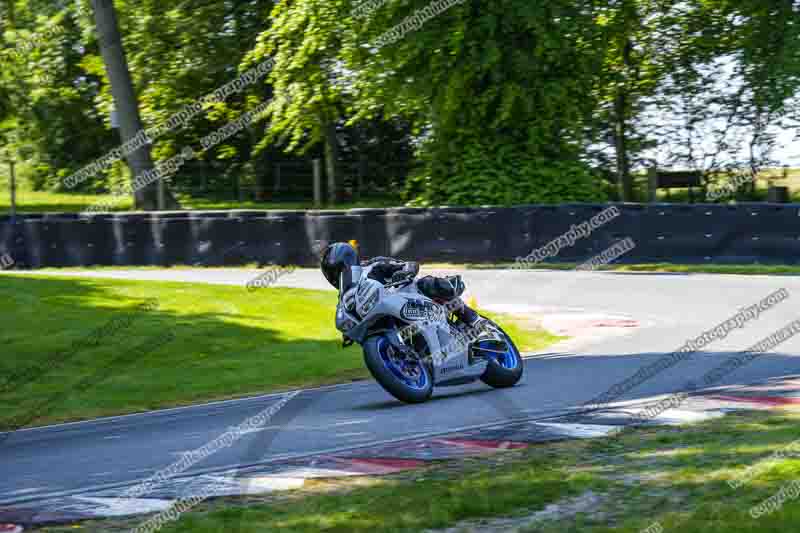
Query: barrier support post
(317, 182)
(13, 187)
(161, 197)
(652, 184)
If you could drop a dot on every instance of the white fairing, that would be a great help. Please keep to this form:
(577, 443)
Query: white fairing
(368, 293)
(369, 300)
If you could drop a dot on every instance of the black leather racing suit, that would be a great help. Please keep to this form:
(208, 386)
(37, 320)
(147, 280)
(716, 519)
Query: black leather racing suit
(442, 290)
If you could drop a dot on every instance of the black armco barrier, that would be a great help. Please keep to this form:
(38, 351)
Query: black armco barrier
(678, 233)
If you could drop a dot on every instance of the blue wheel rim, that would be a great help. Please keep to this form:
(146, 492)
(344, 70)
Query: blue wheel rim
(507, 358)
(404, 371)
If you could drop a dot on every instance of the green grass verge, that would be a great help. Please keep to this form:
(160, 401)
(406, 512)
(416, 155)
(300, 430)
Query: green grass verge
(677, 477)
(45, 201)
(202, 204)
(227, 343)
(527, 337)
(29, 201)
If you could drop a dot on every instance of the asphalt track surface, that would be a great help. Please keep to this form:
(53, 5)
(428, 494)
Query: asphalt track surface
(117, 452)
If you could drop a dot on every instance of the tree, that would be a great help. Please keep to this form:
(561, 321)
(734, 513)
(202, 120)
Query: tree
(502, 102)
(48, 97)
(180, 53)
(125, 101)
(635, 38)
(734, 71)
(499, 94)
(305, 39)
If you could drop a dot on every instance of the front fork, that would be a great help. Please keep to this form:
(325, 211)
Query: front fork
(470, 335)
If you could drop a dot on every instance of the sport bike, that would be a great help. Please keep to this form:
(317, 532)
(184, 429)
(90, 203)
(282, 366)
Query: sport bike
(412, 342)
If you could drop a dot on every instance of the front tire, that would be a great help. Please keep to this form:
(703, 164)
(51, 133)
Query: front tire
(504, 370)
(407, 380)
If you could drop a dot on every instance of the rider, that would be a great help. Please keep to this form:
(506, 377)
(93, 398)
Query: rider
(339, 257)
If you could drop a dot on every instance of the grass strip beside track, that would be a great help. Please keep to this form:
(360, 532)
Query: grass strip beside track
(223, 342)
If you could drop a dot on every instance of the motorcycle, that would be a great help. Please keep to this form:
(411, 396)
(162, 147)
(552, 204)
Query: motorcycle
(412, 342)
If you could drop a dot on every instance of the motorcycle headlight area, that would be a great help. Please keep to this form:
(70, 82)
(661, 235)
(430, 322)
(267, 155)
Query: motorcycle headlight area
(343, 322)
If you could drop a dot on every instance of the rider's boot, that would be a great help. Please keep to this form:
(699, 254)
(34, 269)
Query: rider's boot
(467, 315)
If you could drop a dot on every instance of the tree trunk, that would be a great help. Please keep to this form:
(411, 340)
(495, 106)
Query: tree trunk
(362, 173)
(362, 162)
(12, 17)
(262, 173)
(624, 179)
(623, 174)
(331, 162)
(126, 103)
(277, 173)
(261, 162)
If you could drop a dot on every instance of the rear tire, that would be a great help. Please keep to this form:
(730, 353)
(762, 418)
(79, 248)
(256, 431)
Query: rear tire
(501, 376)
(381, 365)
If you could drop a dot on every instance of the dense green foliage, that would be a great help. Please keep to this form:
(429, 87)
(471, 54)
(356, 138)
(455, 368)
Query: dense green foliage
(450, 101)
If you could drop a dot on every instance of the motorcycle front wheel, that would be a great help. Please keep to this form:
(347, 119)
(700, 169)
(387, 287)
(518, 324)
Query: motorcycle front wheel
(407, 379)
